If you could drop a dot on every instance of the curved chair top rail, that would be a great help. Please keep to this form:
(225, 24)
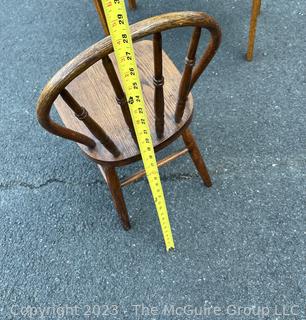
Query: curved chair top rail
(104, 47)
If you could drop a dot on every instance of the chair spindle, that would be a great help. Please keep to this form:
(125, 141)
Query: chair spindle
(120, 95)
(132, 4)
(82, 114)
(101, 14)
(186, 78)
(158, 80)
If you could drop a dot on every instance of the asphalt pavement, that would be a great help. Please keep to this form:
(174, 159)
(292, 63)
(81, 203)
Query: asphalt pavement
(240, 243)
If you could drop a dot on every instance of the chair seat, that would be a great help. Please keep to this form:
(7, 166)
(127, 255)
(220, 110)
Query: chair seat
(92, 90)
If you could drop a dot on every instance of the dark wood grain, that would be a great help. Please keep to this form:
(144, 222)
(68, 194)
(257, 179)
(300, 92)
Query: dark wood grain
(196, 157)
(186, 78)
(158, 80)
(120, 95)
(94, 90)
(116, 192)
(132, 4)
(82, 114)
(76, 67)
(86, 83)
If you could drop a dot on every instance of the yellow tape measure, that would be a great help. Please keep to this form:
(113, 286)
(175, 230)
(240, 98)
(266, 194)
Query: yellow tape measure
(116, 16)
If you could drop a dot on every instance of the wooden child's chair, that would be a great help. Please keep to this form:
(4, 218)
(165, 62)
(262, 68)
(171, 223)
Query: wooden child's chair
(89, 98)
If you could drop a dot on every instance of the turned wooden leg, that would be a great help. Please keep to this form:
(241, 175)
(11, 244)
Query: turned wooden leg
(259, 8)
(116, 192)
(196, 157)
(99, 8)
(252, 33)
(132, 4)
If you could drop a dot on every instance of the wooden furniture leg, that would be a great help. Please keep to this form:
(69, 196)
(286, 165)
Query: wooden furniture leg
(116, 192)
(99, 8)
(256, 6)
(252, 33)
(132, 4)
(259, 8)
(196, 157)
(90, 81)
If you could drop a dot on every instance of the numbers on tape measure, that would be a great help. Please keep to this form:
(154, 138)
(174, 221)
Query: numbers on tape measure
(116, 17)
(120, 18)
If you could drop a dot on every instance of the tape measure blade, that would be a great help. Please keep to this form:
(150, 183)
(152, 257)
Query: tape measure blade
(117, 20)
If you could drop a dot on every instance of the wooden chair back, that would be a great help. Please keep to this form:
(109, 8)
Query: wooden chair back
(101, 50)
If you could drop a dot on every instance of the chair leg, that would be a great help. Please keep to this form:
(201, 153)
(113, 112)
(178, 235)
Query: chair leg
(196, 157)
(259, 8)
(253, 24)
(116, 192)
(101, 14)
(132, 4)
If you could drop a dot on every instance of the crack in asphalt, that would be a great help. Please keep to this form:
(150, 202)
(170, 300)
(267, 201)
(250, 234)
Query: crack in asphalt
(172, 177)
(22, 184)
(17, 184)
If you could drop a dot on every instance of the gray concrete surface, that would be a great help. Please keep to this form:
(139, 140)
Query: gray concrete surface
(242, 242)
